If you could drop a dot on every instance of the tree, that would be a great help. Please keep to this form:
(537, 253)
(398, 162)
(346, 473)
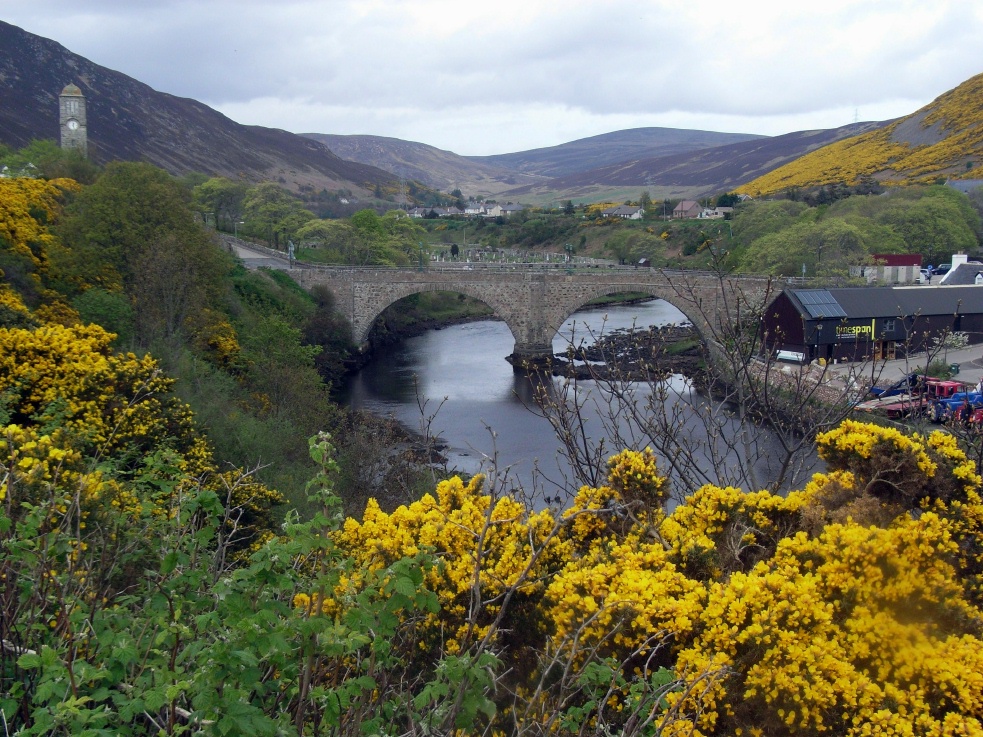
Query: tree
(279, 214)
(223, 197)
(107, 226)
(824, 248)
(568, 208)
(763, 218)
(403, 234)
(622, 245)
(111, 310)
(133, 231)
(48, 160)
(937, 225)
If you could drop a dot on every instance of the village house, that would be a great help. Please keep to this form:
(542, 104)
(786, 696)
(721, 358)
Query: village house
(687, 209)
(627, 212)
(716, 213)
(963, 272)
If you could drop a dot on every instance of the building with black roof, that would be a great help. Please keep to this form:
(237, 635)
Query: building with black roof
(853, 324)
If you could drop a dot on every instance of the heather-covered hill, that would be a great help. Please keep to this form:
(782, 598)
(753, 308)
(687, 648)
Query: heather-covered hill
(944, 139)
(434, 167)
(714, 169)
(608, 149)
(129, 120)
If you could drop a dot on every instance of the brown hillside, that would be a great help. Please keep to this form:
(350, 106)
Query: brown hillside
(442, 170)
(708, 171)
(129, 120)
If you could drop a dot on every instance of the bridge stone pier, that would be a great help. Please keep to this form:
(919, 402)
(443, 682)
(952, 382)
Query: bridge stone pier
(535, 300)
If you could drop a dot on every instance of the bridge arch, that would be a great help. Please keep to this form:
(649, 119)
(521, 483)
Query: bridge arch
(564, 310)
(371, 310)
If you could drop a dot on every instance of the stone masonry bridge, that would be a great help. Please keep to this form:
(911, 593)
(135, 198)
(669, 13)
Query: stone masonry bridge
(534, 300)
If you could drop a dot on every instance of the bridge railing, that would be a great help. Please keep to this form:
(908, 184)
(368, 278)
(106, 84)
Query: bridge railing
(444, 267)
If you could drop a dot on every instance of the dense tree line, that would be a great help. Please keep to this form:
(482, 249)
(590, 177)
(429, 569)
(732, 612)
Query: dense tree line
(779, 236)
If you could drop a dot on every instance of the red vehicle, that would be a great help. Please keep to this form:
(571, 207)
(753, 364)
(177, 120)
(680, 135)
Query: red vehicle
(926, 397)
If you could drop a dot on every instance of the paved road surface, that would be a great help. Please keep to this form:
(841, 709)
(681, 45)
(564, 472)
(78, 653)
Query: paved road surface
(970, 362)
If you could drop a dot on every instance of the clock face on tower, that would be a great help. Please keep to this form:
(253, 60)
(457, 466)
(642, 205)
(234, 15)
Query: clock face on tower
(72, 125)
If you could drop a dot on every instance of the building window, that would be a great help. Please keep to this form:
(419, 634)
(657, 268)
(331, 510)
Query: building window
(888, 326)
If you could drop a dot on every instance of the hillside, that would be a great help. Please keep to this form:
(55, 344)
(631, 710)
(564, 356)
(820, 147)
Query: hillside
(434, 167)
(586, 154)
(707, 171)
(944, 139)
(131, 121)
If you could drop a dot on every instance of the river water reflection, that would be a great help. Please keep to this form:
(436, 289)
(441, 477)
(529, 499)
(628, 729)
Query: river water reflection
(459, 376)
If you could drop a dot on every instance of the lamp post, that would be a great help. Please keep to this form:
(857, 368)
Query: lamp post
(235, 227)
(421, 255)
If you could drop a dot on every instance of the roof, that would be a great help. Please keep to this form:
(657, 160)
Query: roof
(886, 302)
(622, 210)
(687, 205)
(71, 89)
(898, 259)
(962, 274)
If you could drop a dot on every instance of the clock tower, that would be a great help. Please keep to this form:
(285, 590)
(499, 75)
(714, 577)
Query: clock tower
(71, 119)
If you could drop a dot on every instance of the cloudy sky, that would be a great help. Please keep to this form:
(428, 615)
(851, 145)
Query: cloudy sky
(509, 75)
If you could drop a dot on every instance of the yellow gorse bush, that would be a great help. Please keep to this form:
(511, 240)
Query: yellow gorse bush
(852, 629)
(832, 629)
(69, 378)
(26, 206)
(482, 548)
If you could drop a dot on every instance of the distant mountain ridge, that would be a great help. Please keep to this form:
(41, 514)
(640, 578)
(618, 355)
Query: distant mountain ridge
(710, 170)
(443, 170)
(131, 121)
(606, 149)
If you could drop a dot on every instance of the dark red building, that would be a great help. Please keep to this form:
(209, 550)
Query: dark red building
(853, 324)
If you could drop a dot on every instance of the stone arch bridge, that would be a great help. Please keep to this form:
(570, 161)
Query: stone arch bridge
(534, 300)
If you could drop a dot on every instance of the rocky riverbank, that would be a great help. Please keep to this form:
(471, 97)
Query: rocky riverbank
(635, 355)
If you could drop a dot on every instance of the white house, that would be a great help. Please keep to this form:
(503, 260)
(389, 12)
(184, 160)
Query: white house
(716, 213)
(963, 271)
(628, 212)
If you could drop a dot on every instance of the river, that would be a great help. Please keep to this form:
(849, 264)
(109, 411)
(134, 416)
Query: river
(456, 383)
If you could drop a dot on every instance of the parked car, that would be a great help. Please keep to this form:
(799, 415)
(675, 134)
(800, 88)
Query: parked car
(943, 268)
